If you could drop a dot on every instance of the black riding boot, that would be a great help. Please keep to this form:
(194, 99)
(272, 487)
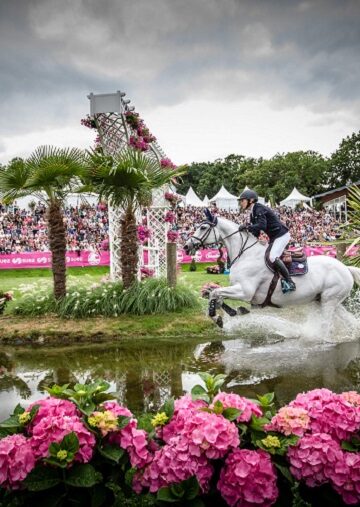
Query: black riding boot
(287, 284)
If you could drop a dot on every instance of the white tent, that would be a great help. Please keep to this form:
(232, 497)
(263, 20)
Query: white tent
(224, 200)
(206, 201)
(294, 198)
(191, 199)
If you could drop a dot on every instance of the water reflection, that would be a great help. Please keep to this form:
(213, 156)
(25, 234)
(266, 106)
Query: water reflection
(144, 374)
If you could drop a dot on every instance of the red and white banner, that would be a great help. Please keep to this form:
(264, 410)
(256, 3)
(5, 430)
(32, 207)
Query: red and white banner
(102, 258)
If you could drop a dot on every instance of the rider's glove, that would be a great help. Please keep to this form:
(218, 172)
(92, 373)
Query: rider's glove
(243, 227)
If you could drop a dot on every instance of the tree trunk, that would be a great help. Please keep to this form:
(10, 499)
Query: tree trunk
(57, 240)
(129, 248)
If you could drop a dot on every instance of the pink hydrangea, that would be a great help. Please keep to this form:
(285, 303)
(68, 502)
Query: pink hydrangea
(173, 463)
(246, 407)
(345, 477)
(313, 458)
(329, 413)
(212, 434)
(117, 409)
(16, 460)
(52, 407)
(290, 421)
(134, 441)
(351, 397)
(247, 479)
(53, 429)
(182, 409)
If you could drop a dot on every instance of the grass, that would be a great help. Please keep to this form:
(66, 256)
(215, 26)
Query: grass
(51, 329)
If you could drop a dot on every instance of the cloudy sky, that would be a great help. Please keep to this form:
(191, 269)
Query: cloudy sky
(210, 77)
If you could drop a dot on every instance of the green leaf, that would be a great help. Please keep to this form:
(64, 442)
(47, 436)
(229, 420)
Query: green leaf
(258, 423)
(41, 478)
(10, 422)
(348, 446)
(231, 413)
(123, 421)
(18, 410)
(34, 411)
(83, 476)
(54, 448)
(266, 399)
(168, 407)
(206, 377)
(191, 487)
(285, 472)
(218, 407)
(177, 491)
(165, 495)
(199, 393)
(70, 443)
(111, 452)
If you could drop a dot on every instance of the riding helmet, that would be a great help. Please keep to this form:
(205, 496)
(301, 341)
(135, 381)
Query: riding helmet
(249, 194)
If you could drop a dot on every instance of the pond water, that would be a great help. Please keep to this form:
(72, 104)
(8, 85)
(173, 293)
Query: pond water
(262, 352)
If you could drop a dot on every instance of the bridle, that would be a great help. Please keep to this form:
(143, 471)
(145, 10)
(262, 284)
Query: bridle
(219, 240)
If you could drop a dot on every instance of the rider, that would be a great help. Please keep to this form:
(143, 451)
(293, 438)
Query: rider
(263, 218)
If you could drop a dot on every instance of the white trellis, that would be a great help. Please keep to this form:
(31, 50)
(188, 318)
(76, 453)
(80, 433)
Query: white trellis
(108, 112)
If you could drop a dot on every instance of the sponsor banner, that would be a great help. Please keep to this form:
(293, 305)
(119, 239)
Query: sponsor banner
(43, 259)
(102, 258)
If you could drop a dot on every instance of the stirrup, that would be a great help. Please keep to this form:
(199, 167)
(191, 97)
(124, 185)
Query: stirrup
(287, 286)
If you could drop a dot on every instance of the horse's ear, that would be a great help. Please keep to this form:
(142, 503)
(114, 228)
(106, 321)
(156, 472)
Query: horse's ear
(210, 217)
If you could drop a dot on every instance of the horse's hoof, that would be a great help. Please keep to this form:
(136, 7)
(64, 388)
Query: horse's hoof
(242, 311)
(219, 321)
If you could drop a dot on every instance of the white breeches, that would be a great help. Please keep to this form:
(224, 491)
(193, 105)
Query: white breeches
(279, 246)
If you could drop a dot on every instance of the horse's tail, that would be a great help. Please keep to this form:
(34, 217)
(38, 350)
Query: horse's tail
(356, 274)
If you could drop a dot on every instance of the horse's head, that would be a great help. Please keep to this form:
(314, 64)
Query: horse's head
(204, 235)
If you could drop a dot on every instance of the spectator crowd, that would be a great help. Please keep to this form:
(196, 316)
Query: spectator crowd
(87, 226)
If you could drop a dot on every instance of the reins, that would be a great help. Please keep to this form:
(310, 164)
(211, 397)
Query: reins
(243, 247)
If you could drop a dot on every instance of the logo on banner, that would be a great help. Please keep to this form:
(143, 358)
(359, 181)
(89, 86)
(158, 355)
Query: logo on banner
(94, 258)
(42, 260)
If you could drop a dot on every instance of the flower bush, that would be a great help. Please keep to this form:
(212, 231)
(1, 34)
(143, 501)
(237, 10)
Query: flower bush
(5, 297)
(80, 446)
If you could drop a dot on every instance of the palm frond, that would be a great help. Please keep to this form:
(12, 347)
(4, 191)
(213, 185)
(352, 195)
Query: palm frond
(13, 181)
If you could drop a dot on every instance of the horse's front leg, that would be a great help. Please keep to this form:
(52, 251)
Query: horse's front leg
(233, 292)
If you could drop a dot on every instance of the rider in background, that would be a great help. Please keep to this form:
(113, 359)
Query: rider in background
(263, 218)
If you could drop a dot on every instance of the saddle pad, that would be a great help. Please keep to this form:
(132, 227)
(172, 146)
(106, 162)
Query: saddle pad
(297, 267)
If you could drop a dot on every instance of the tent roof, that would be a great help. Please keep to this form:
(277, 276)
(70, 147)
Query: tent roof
(206, 201)
(295, 195)
(191, 199)
(223, 194)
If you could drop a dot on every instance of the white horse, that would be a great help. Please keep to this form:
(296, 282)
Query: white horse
(328, 280)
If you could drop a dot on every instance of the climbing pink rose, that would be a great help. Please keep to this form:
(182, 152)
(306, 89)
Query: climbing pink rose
(290, 421)
(247, 408)
(16, 460)
(53, 429)
(248, 479)
(313, 458)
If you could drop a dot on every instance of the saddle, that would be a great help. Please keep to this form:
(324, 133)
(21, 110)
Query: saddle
(295, 261)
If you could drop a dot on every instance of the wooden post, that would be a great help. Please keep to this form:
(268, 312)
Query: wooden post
(340, 250)
(171, 264)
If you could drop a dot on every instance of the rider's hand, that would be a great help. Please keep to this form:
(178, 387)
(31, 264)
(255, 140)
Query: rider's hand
(243, 227)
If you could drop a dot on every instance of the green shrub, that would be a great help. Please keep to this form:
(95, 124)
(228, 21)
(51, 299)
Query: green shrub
(151, 296)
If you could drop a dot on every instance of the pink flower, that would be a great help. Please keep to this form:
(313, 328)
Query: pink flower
(172, 235)
(247, 408)
(290, 421)
(182, 411)
(52, 407)
(329, 413)
(248, 479)
(117, 409)
(170, 217)
(53, 429)
(345, 477)
(166, 163)
(351, 397)
(16, 460)
(175, 462)
(313, 458)
(135, 442)
(210, 433)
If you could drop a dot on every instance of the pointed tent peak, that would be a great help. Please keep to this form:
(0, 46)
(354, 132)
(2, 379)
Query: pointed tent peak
(192, 199)
(223, 194)
(206, 200)
(296, 195)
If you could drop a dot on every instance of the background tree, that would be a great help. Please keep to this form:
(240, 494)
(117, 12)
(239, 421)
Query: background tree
(344, 166)
(126, 181)
(49, 175)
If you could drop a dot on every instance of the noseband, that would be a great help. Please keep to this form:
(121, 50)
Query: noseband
(219, 240)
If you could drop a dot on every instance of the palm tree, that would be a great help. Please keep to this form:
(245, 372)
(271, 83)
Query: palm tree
(49, 175)
(126, 180)
(352, 228)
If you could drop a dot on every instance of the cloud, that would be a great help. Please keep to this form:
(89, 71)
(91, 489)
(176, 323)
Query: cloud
(281, 54)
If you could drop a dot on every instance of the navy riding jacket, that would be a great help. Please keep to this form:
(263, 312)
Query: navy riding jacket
(264, 219)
